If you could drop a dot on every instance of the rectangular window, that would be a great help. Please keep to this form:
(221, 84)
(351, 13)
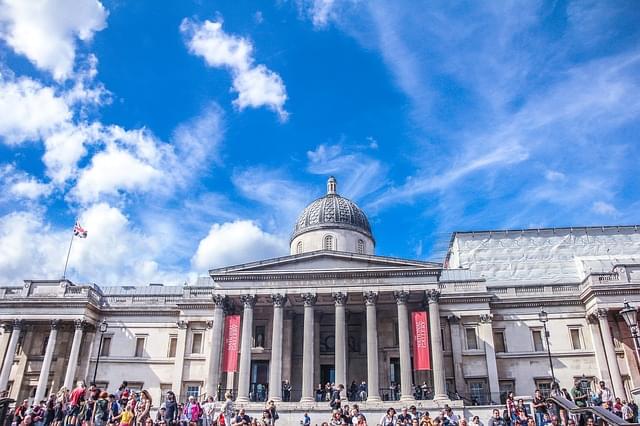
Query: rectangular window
(173, 343)
(545, 387)
(538, 346)
(506, 386)
(396, 337)
(576, 338)
(442, 339)
(196, 343)
(477, 391)
(140, 341)
(498, 341)
(106, 346)
(472, 339)
(193, 390)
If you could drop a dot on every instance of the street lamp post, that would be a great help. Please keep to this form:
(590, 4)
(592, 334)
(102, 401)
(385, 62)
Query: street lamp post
(630, 315)
(103, 329)
(544, 318)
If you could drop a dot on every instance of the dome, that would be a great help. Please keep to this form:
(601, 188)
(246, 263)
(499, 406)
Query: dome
(332, 212)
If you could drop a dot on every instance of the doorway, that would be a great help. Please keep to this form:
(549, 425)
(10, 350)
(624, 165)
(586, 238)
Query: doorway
(259, 381)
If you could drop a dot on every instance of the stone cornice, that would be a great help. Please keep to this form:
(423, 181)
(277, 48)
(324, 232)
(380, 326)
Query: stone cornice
(323, 275)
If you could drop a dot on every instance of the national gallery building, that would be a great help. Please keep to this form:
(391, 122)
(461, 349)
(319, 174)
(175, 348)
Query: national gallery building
(463, 332)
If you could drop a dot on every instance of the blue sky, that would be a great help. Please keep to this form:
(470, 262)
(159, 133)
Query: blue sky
(190, 135)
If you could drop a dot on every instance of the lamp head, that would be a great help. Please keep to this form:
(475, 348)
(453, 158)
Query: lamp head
(543, 316)
(103, 326)
(630, 315)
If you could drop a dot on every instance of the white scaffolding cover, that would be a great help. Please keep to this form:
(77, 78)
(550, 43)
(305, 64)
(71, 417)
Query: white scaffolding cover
(544, 255)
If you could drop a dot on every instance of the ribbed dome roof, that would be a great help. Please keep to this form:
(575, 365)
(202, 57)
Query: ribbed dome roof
(332, 211)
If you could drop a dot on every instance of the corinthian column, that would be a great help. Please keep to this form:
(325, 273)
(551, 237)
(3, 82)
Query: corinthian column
(75, 352)
(372, 347)
(244, 373)
(43, 380)
(340, 300)
(213, 362)
(406, 376)
(307, 347)
(10, 354)
(610, 351)
(439, 391)
(275, 370)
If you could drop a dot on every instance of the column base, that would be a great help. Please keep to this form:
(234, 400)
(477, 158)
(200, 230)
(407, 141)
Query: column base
(441, 399)
(407, 398)
(307, 400)
(275, 399)
(374, 399)
(242, 400)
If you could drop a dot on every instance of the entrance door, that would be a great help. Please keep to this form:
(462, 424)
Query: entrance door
(327, 373)
(259, 380)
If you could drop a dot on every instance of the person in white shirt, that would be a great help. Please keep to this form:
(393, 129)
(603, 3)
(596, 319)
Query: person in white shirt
(606, 396)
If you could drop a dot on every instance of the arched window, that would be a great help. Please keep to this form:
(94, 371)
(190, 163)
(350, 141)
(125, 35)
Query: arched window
(360, 247)
(328, 242)
(299, 247)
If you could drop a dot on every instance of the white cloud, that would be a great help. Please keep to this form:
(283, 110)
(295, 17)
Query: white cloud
(236, 242)
(29, 111)
(45, 31)
(321, 11)
(20, 185)
(604, 208)
(554, 176)
(256, 85)
(115, 251)
(362, 174)
(65, 147)
(198, 140)
(284, 197)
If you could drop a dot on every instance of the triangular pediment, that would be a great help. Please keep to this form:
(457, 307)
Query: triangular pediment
(326, 261)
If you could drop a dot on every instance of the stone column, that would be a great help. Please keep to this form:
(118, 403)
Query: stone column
(10, 354)
(43, 380)
(439, 389)
(75, 352)
(598, 348)
(486, 334)
(213, 361)
(340, 300)
(275, 370)
(610, 351)
(406, 376)
(456, 352)
(244, 372)
(308, 347)
(178, 366)
(372, 347)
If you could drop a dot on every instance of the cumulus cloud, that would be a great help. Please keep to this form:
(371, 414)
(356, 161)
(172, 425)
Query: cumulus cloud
(236, 242)
(604, 208)
(29, 110)
(45, 31)
(256, 85)
(20, 185)
(116, 251)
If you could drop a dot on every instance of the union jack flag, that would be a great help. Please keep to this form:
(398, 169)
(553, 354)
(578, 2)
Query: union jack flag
(79, 231)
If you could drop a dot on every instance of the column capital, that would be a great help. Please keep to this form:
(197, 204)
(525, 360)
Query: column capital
(219, 300)
(54, 324)
(401, 297)
(370, 297)
(433, 296)
(486, 318)
(182, 324)
(602, 313)
(79, 324)
(18, 324)
(340, 298)
(248, 300)
(278, 300)
(309, 299)
(209, 324)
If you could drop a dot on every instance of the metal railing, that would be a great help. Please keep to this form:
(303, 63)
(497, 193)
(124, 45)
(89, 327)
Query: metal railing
(597, 412)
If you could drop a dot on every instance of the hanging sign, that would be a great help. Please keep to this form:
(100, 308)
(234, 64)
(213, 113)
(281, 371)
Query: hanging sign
(420, 325)
(231, 342)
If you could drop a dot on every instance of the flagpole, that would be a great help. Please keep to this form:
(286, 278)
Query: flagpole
(64, 273)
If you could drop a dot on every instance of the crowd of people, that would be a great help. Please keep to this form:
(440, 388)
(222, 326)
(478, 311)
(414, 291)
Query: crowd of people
(91, 406)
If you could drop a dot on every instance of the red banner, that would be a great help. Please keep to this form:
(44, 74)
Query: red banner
(231, 342)
(420, 325)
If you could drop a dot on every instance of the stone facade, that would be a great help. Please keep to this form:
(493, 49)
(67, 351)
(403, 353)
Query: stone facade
(339, 316)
